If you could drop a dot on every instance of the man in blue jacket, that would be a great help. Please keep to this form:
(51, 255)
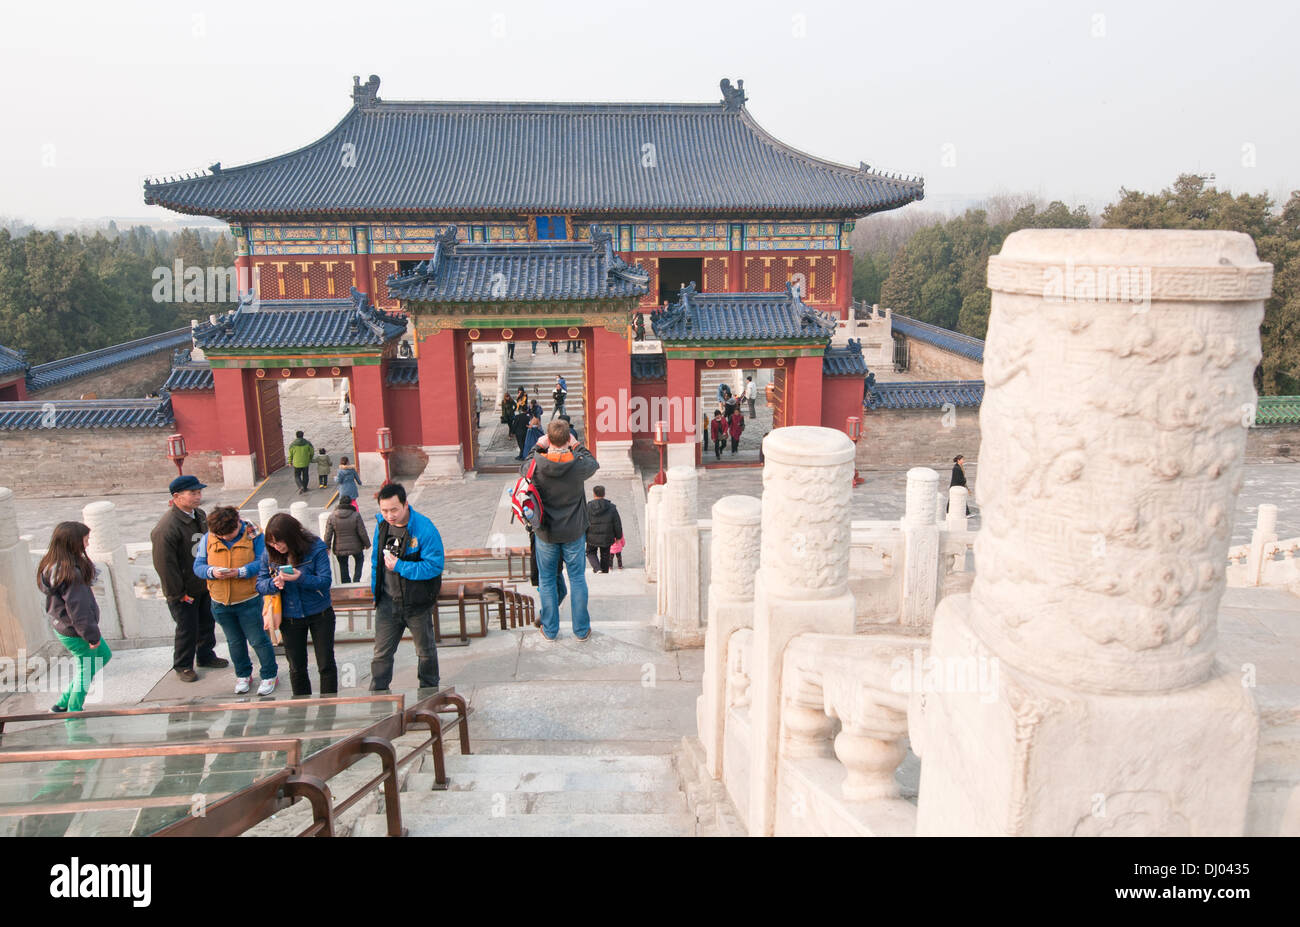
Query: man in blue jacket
(406, 576)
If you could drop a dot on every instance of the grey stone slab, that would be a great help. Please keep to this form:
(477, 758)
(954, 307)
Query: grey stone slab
(505, 804)
(573, 711)
(690, 665)
(538, 825)
(623, 654)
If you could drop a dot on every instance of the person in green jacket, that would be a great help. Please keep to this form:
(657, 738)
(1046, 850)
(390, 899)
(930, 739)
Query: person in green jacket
(300, 454)
(323, 464)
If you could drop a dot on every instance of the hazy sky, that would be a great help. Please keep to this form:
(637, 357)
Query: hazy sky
(1064, 99)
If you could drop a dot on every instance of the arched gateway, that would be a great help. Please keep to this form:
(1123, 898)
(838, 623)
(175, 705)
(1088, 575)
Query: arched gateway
(506, 222)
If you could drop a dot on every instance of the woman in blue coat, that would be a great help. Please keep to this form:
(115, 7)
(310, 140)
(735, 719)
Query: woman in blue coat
(296, 565)
(534, 435)
(347, 480)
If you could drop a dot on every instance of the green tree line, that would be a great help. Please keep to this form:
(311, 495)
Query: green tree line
(935, 269)
(63, 294)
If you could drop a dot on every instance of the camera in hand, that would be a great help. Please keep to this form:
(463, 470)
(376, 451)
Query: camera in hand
(393, 546)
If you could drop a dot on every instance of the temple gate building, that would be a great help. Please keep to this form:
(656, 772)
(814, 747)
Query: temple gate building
(463, 224)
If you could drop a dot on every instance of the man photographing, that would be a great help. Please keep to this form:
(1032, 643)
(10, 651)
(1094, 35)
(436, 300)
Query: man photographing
(406, 576)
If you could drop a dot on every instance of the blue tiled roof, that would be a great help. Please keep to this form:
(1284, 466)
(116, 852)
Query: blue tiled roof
(43, 376)
(302, 323)
(402, 372)
(453, 159)
(781, 316)
(87, 413)
(944, 338)
(461, 272)
(844, 361)
(924, 394)
(12, 362)
(649, 367)
(194, 377)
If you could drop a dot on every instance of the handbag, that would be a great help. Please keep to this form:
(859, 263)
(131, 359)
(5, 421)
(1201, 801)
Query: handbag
(616, 547)
(272, 612)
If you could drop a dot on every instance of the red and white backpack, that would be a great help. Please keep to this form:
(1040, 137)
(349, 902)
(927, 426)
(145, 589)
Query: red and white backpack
(525, 501)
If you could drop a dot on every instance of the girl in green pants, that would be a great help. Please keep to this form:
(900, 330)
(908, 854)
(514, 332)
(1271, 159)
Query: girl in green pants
(64, 576)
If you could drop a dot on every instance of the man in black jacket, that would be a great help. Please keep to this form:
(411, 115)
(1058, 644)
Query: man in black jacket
(563, 465)
(519, 428)
(175, 540)
(603, 529)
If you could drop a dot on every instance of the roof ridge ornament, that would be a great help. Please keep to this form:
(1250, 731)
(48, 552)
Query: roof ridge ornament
(367, 94)
(733, 98)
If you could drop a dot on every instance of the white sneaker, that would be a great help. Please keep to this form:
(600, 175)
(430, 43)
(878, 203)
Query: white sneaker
(241, 684)
(267, 686)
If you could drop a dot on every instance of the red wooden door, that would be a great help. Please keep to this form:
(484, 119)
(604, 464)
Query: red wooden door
(270, 456)
(779, 392)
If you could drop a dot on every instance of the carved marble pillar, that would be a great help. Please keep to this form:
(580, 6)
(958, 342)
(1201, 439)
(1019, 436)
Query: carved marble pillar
(802, 583)
(920, 572)
(1118, 391)
(23, 625)
(113, 589)
(653, 506)
(266, 510)
(734, 553)
(956, 517)
(679, 561)
(1265, 533)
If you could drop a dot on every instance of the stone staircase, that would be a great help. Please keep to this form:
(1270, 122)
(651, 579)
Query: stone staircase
(544, 795)
(537, 376)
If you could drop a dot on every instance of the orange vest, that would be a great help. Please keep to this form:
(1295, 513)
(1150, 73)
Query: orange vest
(230, 591)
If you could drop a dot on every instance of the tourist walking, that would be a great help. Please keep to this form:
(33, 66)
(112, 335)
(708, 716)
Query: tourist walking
(510, 349)
(296, 566)
(534, 349)
(604, 527)
(704, 427)
(751, 392)
(735, 427)
(347, 479)
(536, 410)
(558, 395)
(718, 431)
(230, 556)
(346, 537)
(175, 542)
(478, 406)
(64, 576)
(323, 464)
(405, 579)
(555, 347)
(958, 478)
(300, 454)
(507, 409)
(519, 428)
(563, 464)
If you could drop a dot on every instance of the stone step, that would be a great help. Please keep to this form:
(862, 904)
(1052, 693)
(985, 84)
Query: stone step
(502, 763)
(431, 824)
(498, 804)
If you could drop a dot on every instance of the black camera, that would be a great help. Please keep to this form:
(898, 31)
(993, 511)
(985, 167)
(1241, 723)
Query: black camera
(393, 546)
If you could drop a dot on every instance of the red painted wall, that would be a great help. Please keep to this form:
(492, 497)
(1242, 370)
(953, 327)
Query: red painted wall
(199, 419)
(841, 397)
(806, 394)
(402, 407)
(366, 388)
(15, 391)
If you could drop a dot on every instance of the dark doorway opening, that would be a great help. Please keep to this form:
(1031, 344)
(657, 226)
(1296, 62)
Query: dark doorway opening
(674, 273)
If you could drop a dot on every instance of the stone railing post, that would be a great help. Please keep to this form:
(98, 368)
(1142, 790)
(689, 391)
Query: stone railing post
(653, 507)
(734, 551)
(266, 510)
(23, 625)
(1118, 392)
(802, 583)
(1265, 533)
(299, 511)
(679, 561)
(957, 496)
(920, 572)
(117, 611)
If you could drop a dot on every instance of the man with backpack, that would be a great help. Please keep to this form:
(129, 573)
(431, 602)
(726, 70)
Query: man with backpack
(552, 481)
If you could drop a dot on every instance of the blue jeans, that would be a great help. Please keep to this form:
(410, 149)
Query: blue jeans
(574, 554)
(242, 624)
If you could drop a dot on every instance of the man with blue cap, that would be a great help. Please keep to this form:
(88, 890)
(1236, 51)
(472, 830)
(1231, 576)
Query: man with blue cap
(175, 542)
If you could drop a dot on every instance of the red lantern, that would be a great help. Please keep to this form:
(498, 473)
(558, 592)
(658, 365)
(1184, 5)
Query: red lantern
(853, 428)
(661, 441)
(384, 438)
(176, 451)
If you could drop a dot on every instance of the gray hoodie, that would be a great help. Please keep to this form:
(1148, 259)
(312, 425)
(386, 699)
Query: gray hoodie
(72, 609)
(564, 502)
